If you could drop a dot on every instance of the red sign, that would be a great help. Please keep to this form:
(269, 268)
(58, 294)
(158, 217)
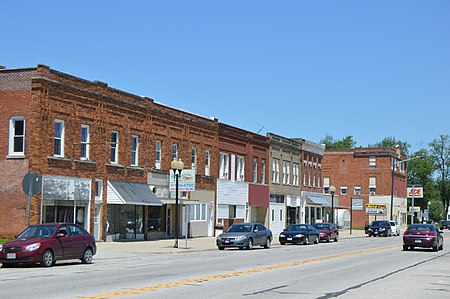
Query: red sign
(418, 192)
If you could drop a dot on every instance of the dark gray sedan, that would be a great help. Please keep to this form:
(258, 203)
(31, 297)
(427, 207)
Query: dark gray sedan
(245, 235)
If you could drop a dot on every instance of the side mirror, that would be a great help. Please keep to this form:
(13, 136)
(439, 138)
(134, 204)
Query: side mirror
(60, 235)
(284, 229)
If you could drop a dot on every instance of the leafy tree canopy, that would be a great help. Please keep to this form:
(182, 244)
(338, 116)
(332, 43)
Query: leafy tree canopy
(391, 142)
(344, 143)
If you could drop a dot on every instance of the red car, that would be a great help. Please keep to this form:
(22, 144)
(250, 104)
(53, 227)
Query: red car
(328, 231)
(423, 235)
(46, 243)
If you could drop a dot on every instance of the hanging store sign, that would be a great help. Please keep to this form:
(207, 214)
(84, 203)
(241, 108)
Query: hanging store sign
(186, 181)
(418, 192)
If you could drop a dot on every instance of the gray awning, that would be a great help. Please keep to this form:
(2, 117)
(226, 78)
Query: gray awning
(317, 200)
(122, 192)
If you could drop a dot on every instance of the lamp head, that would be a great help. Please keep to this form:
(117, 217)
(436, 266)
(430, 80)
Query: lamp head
(332, 189)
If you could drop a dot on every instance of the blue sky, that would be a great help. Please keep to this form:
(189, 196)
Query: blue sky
(369, 69)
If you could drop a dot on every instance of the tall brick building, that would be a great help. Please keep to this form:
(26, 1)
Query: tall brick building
(98, 149)
(366, 173)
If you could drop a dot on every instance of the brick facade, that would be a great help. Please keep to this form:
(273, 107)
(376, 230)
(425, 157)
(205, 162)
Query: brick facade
(43, 95)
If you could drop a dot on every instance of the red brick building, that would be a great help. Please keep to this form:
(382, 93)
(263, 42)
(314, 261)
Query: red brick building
(242, 184)
(366, 174)
(97, 148)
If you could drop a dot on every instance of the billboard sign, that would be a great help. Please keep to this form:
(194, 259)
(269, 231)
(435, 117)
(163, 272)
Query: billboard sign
(357, 204)
(372, 209)
(186, 182)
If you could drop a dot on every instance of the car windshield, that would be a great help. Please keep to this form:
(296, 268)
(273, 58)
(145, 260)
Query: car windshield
(38, 231)
(378, 223)
(426, 228)
(392, 223)
(295, 227)
(321, 226)
(240, 228)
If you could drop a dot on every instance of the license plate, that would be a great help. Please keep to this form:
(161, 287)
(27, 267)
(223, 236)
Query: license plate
(227, 242)
(11, 256)
(418, 241)
(289, 239)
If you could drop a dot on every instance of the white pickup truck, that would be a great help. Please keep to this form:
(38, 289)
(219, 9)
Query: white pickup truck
(395, 228)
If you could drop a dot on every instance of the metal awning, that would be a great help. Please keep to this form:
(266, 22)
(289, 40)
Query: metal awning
(128, 193)
(317, 200)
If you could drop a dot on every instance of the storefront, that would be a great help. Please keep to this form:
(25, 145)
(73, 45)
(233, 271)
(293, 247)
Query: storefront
(128, 204)
(65, 199)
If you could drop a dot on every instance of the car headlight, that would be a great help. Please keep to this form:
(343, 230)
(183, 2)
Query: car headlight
(299, 235)
(1, 247)
(33, 247)
(382, 228)
(282, 235)
(370, 229)
(240, 238)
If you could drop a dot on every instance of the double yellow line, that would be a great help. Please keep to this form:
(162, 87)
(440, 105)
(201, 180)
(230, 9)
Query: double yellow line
(232, 274)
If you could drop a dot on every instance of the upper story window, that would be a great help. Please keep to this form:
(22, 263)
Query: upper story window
(326, 185)
(357, 190)
(207, 162)
(240, 169)
(295, 174)
(134, 150)
(17, 136)
(255, 171)
(114, 153)
(193, 158)
(372, 162)
(372, 185)
(84, 142)
(286, 172)
(223, 166)
(158, 154)
(263, 171)
(98, 189)
(275, 170)
(58, 138)
(174, 151)
(343, 190)
(318, 181)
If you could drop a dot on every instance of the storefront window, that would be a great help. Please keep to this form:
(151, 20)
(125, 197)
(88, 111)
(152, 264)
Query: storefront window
(155, 219)
(125, 220)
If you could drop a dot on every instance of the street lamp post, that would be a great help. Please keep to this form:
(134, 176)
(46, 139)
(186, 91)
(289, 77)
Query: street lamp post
(177, 167)
(332, 190)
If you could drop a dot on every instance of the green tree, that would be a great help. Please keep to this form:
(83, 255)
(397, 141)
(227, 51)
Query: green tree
(440, 153)
(391, 142)
(436, 211)
(344, 143)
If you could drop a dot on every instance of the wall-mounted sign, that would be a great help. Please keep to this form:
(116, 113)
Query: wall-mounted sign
(418, 192)
(372, 209)
(357, 204)
(186, 182)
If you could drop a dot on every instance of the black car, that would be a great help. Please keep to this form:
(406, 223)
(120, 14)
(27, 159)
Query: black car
(299, 233)
(380, 228)
(445, 224)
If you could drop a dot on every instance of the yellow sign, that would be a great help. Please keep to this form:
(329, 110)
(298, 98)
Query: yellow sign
(372, 209)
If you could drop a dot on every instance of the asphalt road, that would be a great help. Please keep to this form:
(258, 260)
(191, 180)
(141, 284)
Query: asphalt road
(351, 268)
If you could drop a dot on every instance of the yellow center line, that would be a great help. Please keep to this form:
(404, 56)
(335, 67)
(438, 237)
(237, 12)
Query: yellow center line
(232, 274)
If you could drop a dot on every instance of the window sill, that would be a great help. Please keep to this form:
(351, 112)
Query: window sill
(58, 158)
(12, 157)
(86, 161)
(115, 165)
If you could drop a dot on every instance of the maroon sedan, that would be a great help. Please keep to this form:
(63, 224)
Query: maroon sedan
(47, 243)
(328, 231)
(423, 235)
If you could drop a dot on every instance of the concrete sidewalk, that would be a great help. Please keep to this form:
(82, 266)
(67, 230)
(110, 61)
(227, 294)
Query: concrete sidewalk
(189, 245)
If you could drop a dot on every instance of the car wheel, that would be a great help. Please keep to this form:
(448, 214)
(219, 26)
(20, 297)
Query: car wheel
(405, 248)
(7, 265)
(282, 243)
(435, 248)
(222, 248)
(250, 244)
(306, 241)
(268, 243)
(336, 238)
(441, 247)
(328, 238)
(316, 241)
(47, 258)
(87, 256)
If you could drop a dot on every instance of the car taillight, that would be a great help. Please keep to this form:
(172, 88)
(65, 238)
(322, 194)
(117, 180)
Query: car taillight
(431, 234)
(406, 233)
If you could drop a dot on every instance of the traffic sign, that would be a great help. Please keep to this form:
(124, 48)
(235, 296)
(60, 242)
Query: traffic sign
(31, 183)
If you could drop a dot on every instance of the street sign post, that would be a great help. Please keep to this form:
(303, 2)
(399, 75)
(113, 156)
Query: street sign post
(31, 185)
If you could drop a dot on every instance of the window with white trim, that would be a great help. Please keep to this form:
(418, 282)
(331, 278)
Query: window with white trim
(58, 138)
(198, 212)
(174, 151)
(343, 190)
(98, 189)
(318, 181)
(207, 162)
(286, 172)
(84, 142)
(357, 190)
(240, 169)
(263, 171)
(372, 162)
(255, 170)
(193, 158)
(114, 154)
(224, 166)
(295, 174)
(158, 154)
(372, 185)
(134, 150)
(326, 185)
(275, 170)
(17, 136)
